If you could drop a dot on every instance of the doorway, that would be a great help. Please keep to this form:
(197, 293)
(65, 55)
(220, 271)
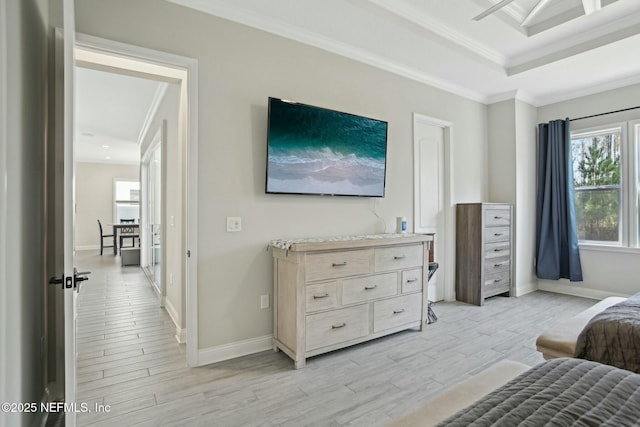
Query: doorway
(175, 226)
(432, 198)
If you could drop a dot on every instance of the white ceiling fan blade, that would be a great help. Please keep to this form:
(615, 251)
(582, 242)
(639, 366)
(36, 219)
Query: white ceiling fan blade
(591, 6)
(492, 9)
(536, 9)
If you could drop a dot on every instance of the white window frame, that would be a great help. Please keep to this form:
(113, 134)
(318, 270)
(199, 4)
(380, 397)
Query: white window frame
(116, 201)
(629, 175)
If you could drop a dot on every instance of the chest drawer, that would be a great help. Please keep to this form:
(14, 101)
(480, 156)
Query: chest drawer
(363, 289)
(496, 283)
(333, 327)
(497, 250)
(398, 257)
(497, 217)
(497, 234)
(321, 296)
(332, 265)
(396, 312)
(497, 264)
(412, 280)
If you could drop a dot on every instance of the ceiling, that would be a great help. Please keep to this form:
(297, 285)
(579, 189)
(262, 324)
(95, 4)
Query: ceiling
(111, 112)
(560, 53)
(541, 51)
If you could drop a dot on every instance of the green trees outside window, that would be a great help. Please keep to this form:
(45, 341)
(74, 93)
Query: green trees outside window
(596, 176)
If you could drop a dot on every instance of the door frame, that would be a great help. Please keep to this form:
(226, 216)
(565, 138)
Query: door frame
(145, 250)
(4, 196)
(446, 267)
(126, 53)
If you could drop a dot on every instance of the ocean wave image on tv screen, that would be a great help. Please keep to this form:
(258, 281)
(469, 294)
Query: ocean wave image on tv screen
(321, 151)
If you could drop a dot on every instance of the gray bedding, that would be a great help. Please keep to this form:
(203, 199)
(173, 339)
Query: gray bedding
(612, 337)
(559, 392)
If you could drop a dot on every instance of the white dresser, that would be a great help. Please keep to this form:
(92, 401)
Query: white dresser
(330, 293)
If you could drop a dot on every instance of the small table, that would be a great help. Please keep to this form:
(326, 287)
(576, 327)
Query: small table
(116, 227)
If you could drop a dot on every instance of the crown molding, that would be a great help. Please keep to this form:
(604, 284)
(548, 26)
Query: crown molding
(512, 94)
(234, 13)
(586, 91)
(412, 14)
(582, 41)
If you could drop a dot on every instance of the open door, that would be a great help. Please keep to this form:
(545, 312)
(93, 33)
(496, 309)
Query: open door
(64, 280)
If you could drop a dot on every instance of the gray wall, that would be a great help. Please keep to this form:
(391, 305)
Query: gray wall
(605, 272)
(94, 199)
(525, 227)
(512, 179)
(239, 68)
(21, 275)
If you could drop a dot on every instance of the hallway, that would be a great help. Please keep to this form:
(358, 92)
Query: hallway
(123, 336)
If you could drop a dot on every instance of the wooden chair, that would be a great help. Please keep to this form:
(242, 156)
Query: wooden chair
(102, 236)
(128, 233)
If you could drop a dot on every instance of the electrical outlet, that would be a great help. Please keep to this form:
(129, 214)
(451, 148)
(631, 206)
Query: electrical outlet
(234, 224)
(264, 301)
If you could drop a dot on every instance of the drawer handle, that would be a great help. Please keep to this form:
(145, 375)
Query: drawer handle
(339, 264)
(369, 288)
(497, 281)
(320, 296)
(500, 264)
(399, 257)
(498, 217)
(498, 250)
(411, 280)
(497, 234)
(341, 325)
(398, 311)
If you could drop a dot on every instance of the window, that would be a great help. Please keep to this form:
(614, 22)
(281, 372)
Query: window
(605, 178)
(126, 200)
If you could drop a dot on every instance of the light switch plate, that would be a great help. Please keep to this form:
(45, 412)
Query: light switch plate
(234, 224)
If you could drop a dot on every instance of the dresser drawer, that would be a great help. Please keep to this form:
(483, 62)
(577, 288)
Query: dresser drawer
(333, 327)
(496, 265)
(368, 288)
(497, 250)
(412, 280)
(398, 257)
(321, 296)
(497, 234)
(331, 265)
(390, 313)
(496, 217)
(497, 283)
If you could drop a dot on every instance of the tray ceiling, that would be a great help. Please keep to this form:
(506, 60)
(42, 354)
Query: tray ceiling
(566, 48)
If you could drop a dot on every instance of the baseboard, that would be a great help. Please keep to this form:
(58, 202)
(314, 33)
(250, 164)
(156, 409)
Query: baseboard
(181, 334)
(575, 290)
(525, 288)
(92, 248)
(234, 349)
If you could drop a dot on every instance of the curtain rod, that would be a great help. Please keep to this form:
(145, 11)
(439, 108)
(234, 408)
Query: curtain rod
(604, 114)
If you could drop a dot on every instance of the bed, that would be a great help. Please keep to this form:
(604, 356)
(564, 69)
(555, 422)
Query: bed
(559, 392)
(560, 340)
(613, 336)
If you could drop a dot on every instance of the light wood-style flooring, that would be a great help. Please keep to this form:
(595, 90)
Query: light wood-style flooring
(129, 359)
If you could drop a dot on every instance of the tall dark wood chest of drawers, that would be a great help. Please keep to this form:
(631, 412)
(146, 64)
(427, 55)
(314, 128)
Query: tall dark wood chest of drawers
(484, 259)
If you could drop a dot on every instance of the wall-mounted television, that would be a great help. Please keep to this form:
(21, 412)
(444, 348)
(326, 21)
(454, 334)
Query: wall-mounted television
(313, 150)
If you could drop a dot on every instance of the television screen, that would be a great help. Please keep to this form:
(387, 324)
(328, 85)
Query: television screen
(314, 150)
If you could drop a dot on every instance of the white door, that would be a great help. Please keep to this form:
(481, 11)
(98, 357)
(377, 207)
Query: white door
(60, 208)
(429, 217)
